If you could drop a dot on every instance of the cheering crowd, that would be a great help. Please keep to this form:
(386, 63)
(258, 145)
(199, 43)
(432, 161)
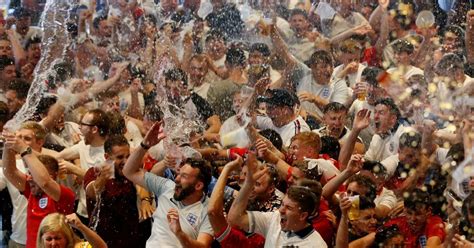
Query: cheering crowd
(224, 123)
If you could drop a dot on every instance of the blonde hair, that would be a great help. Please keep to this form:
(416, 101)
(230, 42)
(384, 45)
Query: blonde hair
(40, 132)
(309, 139)
(56, 222)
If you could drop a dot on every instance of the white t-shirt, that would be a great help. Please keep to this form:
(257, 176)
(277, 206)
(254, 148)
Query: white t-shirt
(287, 131)
(381, 148)
(352, 78)
(335, 91)
(127, 96)
(20, 205)
(193, 218)
(268, 224)
(133, 135)
(366, 134)
(326, 168)
(89, 157)
(405, 71)
(386, 198)
(202, 90)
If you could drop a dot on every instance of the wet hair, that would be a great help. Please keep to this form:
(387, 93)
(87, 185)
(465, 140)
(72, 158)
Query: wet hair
(98, 19)
(371, 74)
(261, 48)
(214, 34)
(449, 63)
(20, 86)
(334, 107)
(416, 198)
(400, 46)
(330, 146)
(205, 170)
(5, 61)
(457, 30)
(56, 222)
(4, 112)
(176, 74)
(273, 136)
(116, 123)
(305, 198)
(32, 40)
(62, 72)
(320, 57)
(366, 203)
(311, 174)
(297, 11)
(374, 167)
(38, 129)
(410, 139)
(390, 104)
(456, 152)
(235, 57)
(153, 112)
(44, 104)
(309, 139)
(315, 187)
(386, 233)
(273, 175)
(100, 120)
(367, 182)
(115, 140)
(50, 163)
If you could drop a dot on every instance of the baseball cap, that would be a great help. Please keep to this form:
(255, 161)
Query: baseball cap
(279, 97)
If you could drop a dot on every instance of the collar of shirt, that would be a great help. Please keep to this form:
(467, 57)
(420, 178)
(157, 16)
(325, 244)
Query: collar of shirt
(302, 234)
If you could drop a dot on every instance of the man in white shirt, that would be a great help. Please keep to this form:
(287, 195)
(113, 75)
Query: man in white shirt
(282, 115)
(403, 70)
(287, 227)
(23, 29)
(180, 219)
(94, 127)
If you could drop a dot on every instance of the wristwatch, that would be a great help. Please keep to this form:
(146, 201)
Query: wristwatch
(27, 151)
(145, 147)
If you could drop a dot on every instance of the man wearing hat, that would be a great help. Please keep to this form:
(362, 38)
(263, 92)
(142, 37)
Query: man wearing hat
(282, 114)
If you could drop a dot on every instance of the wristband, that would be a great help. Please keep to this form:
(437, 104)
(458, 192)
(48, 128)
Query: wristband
(144, 146)
(289, 174)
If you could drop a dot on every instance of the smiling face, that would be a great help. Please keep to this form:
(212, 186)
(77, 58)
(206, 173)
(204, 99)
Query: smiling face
(119, 155)
(186, 182)
(298, 151)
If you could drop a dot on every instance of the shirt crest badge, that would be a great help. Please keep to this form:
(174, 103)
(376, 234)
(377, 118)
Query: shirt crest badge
(192, 219)
(43, 202)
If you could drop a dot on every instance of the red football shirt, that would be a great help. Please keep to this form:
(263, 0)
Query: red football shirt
(233, 237)
(40, 207)
(434, 227)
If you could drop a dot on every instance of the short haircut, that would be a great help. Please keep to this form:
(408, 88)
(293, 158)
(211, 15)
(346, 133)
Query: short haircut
(309, 139)
(297, 11)
(205, 170)
(400, 46)
(366, 182)
(215, 34)
(49, 162)
(44, 104)
(116, 123)
(153, 112)
(455, 29)
(334, 107)
(311, 174)
(330, 146)
(20, 86)
(315, 187)
(273, 136)
(176, 74)
(416, 198)
(261, 48)
(115, 140)
(366, 203)
(410, 139)
(450, 62)
(100, 120)
(390, 104)
(371, 75)
(320, 57)
(98, 19)
(38, 129)
(273, 175)
(5, 61)
(374, 167)
(235, 57)
(32, 40)
(305, 198)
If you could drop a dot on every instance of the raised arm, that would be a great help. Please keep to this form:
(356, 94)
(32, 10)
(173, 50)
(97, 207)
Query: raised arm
(282, 167)
(342, 237)
(216, 202)
(15, 176)
(37, 169)
(470, 36)
(93, 238)
(133, 167)
(18, 52)
(238, 215)
(361, 121)
(281, 47)
(331, 187)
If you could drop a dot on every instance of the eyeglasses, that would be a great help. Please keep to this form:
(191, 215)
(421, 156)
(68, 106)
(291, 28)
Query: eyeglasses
(85, 124)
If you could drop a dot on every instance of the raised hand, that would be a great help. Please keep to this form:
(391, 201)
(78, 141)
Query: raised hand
(154, 135)
(173, 220)
(345, 204)
(146, 210)
(307, 97)
(13, 142)
(235, 164)
(355, 164)
(361, 120)
(74, 221)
